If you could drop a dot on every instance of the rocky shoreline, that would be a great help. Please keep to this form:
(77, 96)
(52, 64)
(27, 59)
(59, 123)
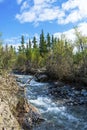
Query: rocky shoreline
(15, 112)
(18, 114)
(42, 75)
(68, 94)
(71, 93)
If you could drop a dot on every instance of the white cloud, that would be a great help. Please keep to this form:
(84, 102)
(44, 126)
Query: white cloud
(37, 2)
(83, 28)
(75, 10)
(16, 41)
(48, 14)
(73, 17)
(71, 11)
(26, 17)
(19, 1)
(42, 10)
(70, 4)
(24, 6)
(70, 34)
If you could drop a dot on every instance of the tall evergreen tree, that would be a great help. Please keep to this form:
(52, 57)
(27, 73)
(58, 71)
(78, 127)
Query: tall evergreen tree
(42, 45)
(34, 42)
(22, 43)
(28, 51)
(52, 41)
(48, 42)
(29, 43)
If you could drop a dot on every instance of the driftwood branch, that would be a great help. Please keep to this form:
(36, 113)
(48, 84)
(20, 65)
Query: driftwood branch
(28, 81)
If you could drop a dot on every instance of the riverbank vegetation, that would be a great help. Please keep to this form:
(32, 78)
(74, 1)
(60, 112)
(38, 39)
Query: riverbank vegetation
(56, 55)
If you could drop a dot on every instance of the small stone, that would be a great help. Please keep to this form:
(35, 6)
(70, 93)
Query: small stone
(76, 92)
(84, 92)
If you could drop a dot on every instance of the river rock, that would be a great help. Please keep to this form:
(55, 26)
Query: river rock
(73, 95)
(84, 92)
(58, 84)
(41, 78)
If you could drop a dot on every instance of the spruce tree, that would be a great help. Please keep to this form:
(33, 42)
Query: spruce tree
(29, 43)
(52, 41)
(22, 43)
(48, 42)
(42, 45)
(34, 42)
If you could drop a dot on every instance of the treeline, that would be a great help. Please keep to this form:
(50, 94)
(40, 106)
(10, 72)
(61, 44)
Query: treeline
(57, 55)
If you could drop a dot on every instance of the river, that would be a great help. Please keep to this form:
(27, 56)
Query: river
(57, 116)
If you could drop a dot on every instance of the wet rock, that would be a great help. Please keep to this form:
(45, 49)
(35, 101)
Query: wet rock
(58, 84)
(65, 90)
(73, 96)
(76, 92)
(42, 78)
(84, 92)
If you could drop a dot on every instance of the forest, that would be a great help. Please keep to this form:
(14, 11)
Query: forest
(56, 55)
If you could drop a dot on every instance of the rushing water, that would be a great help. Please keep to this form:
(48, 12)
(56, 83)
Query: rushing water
(57, 116)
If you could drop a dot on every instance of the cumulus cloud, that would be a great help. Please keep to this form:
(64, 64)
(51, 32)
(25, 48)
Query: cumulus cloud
(77, 11)
(26, 17)
(70, 34)
(24, 6)
(83, 28)
(42, 10)
(71, 11)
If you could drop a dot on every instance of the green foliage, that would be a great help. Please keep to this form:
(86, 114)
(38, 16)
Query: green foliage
(48, 42)
(56, 54)
(60, 60)
(42, 45)
(34, 42)
(35, 58)
(81, 55)
(20, 61)
(7, 58)
(22, 47)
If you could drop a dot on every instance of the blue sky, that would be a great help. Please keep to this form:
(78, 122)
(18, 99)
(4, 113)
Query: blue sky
(29, 17)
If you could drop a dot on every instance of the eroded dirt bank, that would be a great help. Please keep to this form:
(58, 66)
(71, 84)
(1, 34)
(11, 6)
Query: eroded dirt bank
(15, 112)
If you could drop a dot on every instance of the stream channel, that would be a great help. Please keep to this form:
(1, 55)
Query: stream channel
(57, 116)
